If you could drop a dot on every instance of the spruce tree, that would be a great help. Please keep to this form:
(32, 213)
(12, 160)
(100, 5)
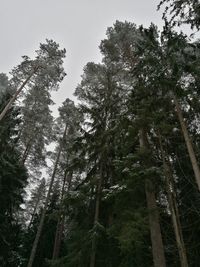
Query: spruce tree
(13, 179)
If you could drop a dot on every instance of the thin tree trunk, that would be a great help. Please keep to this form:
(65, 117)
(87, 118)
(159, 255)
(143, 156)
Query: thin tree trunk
(96, 218)
(39, 230)
(155, 230)
(188, 142)
(14, 97)
(175, 220)
(26, 152)
(60, 224)
(57, 240)
(174, 209)
(58, 237)
(156, 237)
(34, 211)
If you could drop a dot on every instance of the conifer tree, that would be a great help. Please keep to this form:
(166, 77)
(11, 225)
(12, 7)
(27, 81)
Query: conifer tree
(45, 69)
(68, 107)
(100, 97)
(13, 179)
(182, 11)
(36, 200)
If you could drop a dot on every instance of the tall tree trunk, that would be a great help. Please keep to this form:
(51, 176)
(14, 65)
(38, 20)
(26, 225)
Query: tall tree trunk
(26, 152)
(34, 211)
(58, 237)
(188, 142)
(174, 208)
(175, 219)
(60, 224)
(155, 230)
(14, 97)
(39, 230)
(96, 217)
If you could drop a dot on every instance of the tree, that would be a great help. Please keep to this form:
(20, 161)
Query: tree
(173, 206)
(70, 115)
(45, 245)
(13, 179)
(68, 106)
(46, 68)
(186, 11)
(36, 200)
(126, 53)
(121, 189)
(36, 129)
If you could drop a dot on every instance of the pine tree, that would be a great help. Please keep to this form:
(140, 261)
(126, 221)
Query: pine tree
(45, 69)
(68, 108)
(36, 200)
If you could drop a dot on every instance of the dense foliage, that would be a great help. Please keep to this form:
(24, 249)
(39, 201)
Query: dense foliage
(13, 179)
(122, 177)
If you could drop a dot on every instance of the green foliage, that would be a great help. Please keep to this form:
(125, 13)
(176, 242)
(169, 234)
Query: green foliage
(117, 140)
(46, 244)
(13, 179)
(182, 11)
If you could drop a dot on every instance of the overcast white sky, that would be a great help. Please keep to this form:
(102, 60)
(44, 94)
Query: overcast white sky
(77, 25)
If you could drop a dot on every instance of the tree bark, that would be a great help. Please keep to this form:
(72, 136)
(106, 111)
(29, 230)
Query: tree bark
(26, 152)
(58, 237)
(155, 230)
(60, 224)
(34, 211)
(38, 199)
(176, 220)
(174, 208)
(14, 97)
(188, 142)
(39, 230)
(96, 217)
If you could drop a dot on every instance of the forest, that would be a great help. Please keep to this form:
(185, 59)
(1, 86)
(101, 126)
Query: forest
(114, 179)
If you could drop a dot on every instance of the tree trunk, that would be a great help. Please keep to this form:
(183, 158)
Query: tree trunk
(155, 231)
(175, 219)
(34, 211)
(39, 230)
(58, 237)
(188, 142)
(60, 224)
(174, 208)
(26, 152)
(14, 97)
(96, 218)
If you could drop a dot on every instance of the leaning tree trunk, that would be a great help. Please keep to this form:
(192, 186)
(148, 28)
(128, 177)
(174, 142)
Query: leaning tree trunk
(18, 91)
(34, 210)
(174, 208)
(154, 223)
(60, 224)
(96, 217)
(39, 230)
(188, 142)
(26, 152)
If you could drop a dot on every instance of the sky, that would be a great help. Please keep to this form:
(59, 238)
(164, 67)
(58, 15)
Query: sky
(77, 25)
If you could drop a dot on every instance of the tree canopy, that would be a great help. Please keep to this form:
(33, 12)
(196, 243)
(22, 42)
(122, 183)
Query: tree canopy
(116, 173)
